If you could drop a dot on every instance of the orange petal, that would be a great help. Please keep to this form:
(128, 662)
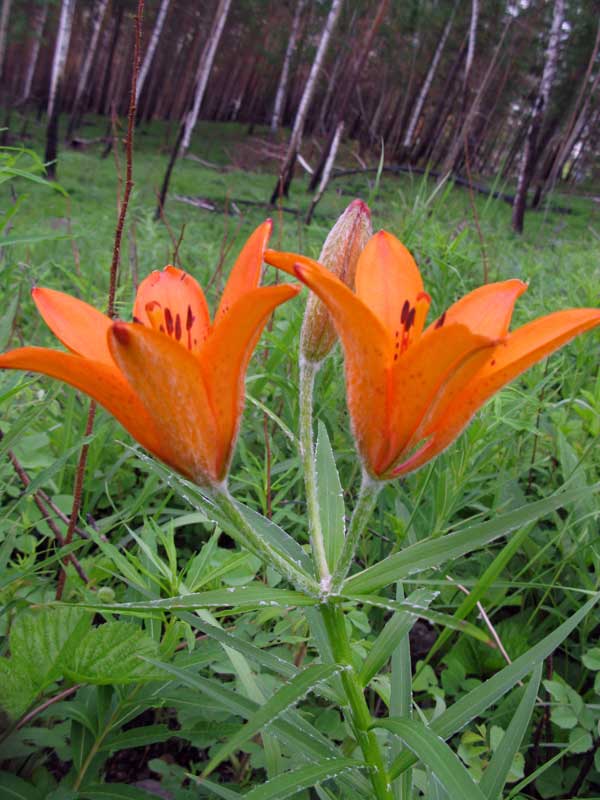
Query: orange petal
(172, 302)
(389, 282)
(245, 274)
(368, 356)
(79, 326)
(225, 355)
(169, 381)
(440, 361)
(487, 310)
(105, 384)
(287, 261)
(522, 349)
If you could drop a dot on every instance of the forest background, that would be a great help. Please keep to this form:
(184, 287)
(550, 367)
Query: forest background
(472, 130)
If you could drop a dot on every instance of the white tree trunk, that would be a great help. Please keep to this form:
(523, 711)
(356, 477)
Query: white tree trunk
(580, 110)
(61, 49)
(539, 109)
(4, 16)
(309, 89)
(285, 175)
(149, 54)
(416, 113)
(204, 68)
(38, 24)
(285, 70)
(97, 19)
(472, 40)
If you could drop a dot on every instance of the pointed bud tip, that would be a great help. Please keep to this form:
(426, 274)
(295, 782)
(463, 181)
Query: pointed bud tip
(360, 206)
(120, 333)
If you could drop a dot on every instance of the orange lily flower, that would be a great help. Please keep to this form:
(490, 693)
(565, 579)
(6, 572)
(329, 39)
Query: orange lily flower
(412, 390)
(171, 378)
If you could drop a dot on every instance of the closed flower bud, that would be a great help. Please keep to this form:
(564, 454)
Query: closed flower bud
(339, 254)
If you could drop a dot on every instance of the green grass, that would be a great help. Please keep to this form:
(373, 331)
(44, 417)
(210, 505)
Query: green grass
(534, 437)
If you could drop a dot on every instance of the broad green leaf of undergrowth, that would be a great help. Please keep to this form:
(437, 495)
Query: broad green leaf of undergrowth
(43, 640)
(110, 654)
(331, 498)
(435, 755)
(15, 788)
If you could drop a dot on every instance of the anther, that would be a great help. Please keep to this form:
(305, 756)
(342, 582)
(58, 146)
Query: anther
(440, 321)
(169, 321)
(405, 310)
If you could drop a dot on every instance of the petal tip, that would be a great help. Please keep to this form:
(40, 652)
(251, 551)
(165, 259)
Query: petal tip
(120, 333)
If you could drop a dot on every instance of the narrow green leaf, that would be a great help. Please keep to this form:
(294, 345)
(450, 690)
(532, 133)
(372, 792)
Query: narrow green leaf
(216, 788)
(331, 498)
(435, 617)
(401, 697)
(482, 586)
(254, 595)
(113, 791)
(436, 755)
(36, 238)
(290, 783)
(486, 694)
(433, 552)
(394, 631)
(288, 695)
(498, 769)
(291, 728)
(138, 737)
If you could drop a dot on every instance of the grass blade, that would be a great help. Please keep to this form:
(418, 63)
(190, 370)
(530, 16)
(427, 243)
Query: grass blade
(497, 771)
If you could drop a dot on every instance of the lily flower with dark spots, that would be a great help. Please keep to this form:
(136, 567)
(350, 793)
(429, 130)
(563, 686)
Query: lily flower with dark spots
(412, 390)
(172, 378)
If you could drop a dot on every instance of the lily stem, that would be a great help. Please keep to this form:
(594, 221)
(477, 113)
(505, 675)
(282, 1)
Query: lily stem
(365, 505)
(361, 720)
(248, 537)
(308, 371)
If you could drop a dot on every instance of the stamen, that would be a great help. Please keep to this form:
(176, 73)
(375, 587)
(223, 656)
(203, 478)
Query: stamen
(405, 310)
(440, 321)
(178, 327)
(410, 319)
(169, 321)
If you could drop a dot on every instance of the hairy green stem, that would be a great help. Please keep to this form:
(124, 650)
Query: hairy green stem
(360, 719)
(308, 371)
(250, 538)
(365, 505)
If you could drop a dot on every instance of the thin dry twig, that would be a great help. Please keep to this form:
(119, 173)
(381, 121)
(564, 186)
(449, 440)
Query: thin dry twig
(112, 289)
(46, 704)
(40, 499)
(487, 621)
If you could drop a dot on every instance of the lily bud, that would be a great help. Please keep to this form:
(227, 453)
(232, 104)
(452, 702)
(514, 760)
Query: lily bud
(339, 255)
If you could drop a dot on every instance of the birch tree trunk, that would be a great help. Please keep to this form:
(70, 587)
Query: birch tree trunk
(576, 121)
(285, 70)
(37, 30)
(184, 136)
(61, 49)
(152, 44)
(82, 85)
(204, 68)
(287, 170)
(4, 17)
(527, 167)
(453, 155)
(348, 86)
(422, 96)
